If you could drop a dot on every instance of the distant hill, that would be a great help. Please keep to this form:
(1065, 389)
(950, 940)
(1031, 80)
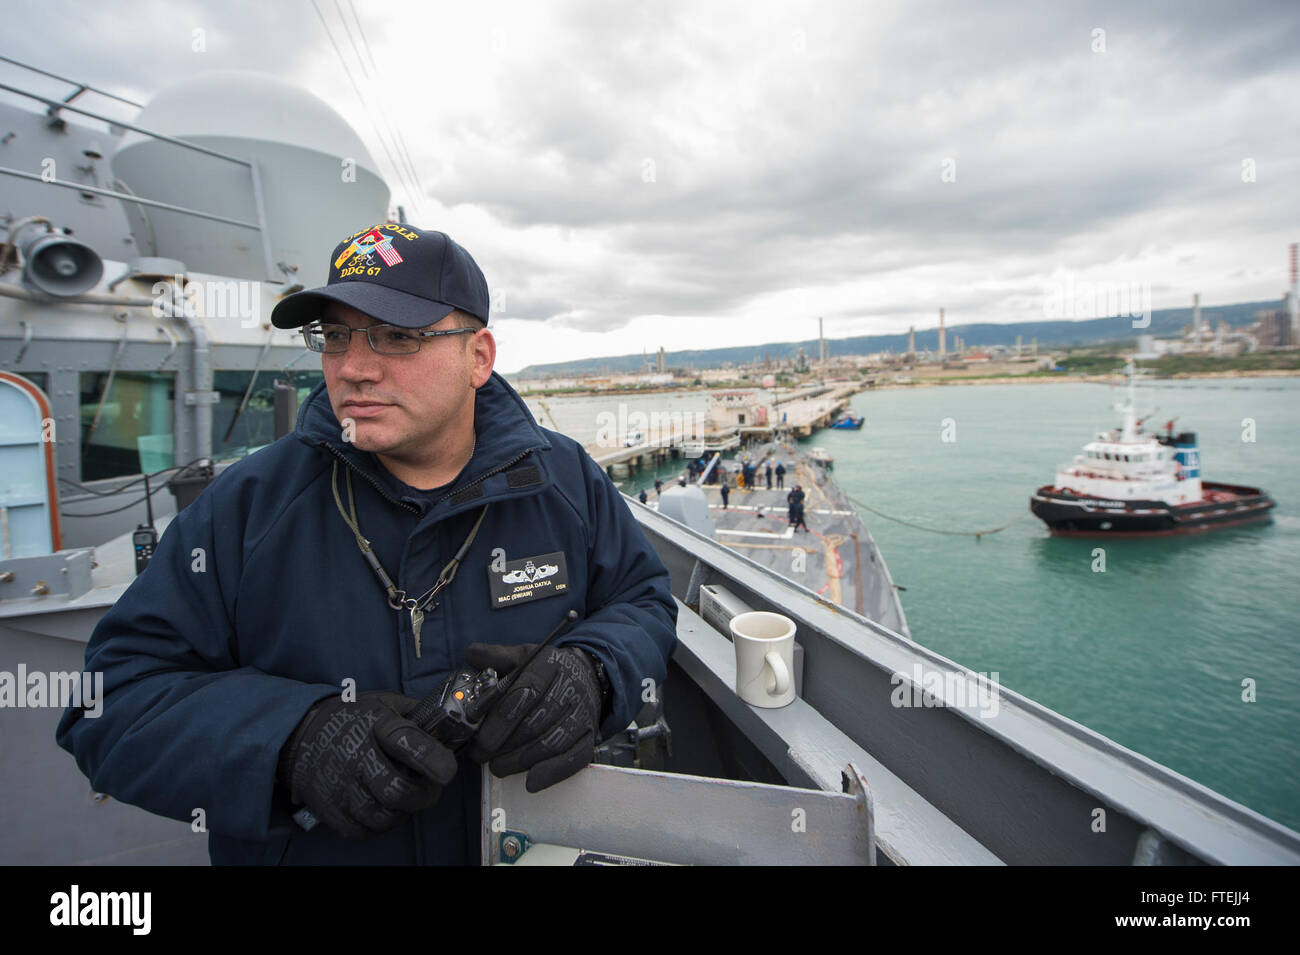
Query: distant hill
(1165, 322)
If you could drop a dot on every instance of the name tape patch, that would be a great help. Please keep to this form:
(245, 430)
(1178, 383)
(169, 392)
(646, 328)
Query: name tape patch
(529, 578)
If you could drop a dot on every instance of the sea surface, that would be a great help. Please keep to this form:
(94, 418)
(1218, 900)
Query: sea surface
(1162, 649)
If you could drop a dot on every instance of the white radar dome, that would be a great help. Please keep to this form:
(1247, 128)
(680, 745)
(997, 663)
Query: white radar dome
(311, 180)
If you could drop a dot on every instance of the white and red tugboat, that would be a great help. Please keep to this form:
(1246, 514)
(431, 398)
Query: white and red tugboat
(1129, 483)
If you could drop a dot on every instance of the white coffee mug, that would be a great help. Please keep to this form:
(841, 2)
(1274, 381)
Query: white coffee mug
(764, 657)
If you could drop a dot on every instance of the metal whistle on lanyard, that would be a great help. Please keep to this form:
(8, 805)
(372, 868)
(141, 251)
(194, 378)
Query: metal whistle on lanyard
(453, 712)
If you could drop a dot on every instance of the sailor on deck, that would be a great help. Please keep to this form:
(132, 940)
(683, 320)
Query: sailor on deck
(258, 665)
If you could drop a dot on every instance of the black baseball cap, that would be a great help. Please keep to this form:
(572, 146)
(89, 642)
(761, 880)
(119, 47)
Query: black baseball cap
(394, 273)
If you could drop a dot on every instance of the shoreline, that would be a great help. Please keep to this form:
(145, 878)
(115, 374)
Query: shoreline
(1091, 379)
(934, 382)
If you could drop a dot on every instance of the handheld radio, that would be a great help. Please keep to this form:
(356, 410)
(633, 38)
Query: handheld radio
(453, 712)
(144, 539)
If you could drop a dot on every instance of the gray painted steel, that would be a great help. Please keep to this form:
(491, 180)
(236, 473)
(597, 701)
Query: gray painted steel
(126, 197)
(25, 581)
(681, 819)
(809, 750)
(100, 223)
(51, 814)
(61, 105)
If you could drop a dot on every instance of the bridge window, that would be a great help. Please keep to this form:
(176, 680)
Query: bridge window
(129, 429)
(135, 428)
(255, 428)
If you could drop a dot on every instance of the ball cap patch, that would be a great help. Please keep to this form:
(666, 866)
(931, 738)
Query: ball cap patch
(394, 273)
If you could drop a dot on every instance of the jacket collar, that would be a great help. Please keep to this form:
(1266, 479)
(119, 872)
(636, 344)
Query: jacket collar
(505, 433)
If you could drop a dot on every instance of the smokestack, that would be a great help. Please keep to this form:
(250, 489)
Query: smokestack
(1017, 346)
(1196, 316)
(943, 338)
(1295, 291)
(821, 342)
(911, 340)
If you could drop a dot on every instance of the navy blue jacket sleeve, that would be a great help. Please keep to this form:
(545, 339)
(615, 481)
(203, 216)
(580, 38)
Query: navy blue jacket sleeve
(183, 727)
(631, 617)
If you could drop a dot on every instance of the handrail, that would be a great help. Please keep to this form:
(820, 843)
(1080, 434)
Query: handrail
(59, 104)
(81, 87)
(124, 197)
(255, 179)
(1084, 469)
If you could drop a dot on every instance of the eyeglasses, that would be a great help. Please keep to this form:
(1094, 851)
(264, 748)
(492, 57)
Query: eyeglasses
(334, 339)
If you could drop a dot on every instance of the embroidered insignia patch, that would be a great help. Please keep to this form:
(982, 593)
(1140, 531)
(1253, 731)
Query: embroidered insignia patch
(358, 255)
(530, 578)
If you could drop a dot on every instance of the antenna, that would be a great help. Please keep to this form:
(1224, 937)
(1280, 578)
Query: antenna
(148, 500)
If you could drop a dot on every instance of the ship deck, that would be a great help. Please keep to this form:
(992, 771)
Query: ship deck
(835, 557)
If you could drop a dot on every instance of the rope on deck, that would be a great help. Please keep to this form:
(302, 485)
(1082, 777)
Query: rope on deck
(936, 530)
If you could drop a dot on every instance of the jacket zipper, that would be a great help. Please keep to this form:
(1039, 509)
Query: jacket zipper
(369, 480)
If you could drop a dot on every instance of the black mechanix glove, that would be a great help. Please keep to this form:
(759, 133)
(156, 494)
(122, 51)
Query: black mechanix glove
(547, 722)
(360, 767)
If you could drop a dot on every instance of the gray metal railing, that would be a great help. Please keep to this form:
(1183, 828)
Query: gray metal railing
(55, 106)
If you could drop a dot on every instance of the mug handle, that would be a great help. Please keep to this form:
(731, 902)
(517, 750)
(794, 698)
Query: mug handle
(779, 669)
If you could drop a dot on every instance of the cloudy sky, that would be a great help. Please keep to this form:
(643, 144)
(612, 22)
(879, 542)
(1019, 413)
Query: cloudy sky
(703, 174)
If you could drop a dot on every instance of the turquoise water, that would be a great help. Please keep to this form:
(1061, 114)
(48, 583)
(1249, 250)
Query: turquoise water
(1153, 651)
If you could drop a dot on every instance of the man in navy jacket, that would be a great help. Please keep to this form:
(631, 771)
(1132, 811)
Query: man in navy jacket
(294, 613)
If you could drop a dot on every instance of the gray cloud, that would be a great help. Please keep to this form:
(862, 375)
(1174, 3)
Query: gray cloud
(1050, 140)
(800, 145)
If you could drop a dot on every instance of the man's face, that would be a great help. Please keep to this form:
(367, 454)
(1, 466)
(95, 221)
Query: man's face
(406, 406)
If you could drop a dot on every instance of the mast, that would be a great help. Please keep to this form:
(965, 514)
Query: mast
(1130, 414)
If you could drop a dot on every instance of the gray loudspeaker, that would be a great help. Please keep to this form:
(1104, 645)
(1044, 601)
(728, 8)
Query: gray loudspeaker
(59, 265)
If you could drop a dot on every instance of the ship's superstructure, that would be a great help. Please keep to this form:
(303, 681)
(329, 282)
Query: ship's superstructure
(1129, 464)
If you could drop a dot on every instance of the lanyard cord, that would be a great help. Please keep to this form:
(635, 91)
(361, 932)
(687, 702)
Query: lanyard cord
(397, 599)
